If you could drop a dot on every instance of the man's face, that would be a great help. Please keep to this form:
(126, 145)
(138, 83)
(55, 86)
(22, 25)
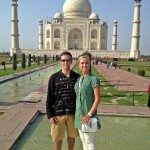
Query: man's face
(65, 61)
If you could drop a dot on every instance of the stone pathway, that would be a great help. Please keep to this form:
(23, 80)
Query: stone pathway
(123, 80)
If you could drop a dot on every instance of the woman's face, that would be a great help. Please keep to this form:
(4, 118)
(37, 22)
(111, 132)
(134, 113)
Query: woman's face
(84, 65)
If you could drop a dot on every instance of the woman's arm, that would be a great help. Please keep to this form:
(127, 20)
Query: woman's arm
(96, 100)
(93, 109)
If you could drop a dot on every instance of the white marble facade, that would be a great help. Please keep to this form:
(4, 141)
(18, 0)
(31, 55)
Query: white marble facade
(76, 28)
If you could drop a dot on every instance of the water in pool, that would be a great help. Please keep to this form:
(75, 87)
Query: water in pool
(117, 133)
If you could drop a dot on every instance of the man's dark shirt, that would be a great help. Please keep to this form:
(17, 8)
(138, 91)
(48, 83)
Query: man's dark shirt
(61, 98)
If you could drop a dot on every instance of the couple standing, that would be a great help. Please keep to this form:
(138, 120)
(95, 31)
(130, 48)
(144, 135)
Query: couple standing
(63, 103)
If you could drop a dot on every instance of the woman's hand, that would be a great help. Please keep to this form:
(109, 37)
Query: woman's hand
(85, 119)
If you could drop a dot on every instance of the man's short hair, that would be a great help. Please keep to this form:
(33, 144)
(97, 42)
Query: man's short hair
(66, 53)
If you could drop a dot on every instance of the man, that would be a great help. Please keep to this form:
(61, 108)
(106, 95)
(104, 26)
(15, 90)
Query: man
(60, 104)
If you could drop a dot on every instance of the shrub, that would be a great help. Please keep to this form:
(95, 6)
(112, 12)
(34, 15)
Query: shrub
(33, 58)
(14, 61)
(29, 60)
(115, 59)
(53, 58)
(38, 60)
(3, 63)
(45, 59)
(23, 62)
(129, 69)
(131, 59)
(148, 68)
(141, 72)
(57, 58)
(87, 53)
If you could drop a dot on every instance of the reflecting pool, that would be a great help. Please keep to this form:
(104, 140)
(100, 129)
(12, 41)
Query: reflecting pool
(117, 133)
(16, 89)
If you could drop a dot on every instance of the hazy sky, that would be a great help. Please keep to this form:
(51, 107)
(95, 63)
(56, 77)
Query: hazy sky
(30, 11)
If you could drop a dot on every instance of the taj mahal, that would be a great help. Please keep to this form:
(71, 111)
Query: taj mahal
(77, 29)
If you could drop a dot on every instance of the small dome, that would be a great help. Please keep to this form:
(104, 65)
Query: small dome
(94, 16)
(58, 15)
(40, 20)
(115, 21)
(77, 9)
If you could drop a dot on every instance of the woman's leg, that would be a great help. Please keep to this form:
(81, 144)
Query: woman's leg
(88, 140)
(83, 140)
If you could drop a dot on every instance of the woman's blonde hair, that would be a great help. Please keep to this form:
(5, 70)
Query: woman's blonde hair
(84, 56)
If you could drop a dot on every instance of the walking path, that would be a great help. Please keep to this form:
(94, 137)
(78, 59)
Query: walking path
(123, 80)
(17, 117)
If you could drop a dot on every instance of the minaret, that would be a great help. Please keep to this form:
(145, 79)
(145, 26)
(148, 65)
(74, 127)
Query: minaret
(114, 38)
(134, 53)
(14, 30)
(41, 41)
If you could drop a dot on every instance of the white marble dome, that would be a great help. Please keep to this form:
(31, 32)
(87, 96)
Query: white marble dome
(77, 9)
(94, 16)
(58, 15)
(115, 21)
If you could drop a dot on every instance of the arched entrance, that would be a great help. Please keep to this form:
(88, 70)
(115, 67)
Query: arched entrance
(93, 46)
(75, 39)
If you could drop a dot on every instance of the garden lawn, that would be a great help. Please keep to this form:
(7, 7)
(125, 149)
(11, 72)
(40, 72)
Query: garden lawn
(110, 95)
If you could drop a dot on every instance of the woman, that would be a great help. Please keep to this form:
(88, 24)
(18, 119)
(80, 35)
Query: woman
(87, 90)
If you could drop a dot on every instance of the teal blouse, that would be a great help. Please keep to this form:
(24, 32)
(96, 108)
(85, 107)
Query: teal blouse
(84, 96)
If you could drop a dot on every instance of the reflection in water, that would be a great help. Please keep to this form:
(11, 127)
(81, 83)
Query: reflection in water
(15, 90)
(117, 133)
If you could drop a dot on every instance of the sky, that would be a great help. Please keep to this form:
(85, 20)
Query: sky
(30, 11)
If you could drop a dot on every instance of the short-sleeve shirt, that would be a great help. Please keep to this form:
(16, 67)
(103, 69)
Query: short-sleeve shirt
(84, 96)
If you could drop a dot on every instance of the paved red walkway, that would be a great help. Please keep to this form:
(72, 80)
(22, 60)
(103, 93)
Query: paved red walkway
(123, 80)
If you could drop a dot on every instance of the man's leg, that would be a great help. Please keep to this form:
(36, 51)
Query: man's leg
(57, 132)
(71, 142)
(71, 131)
(57, 145)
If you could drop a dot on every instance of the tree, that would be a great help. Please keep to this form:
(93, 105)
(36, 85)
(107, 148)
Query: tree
(23, 62)
(45, 59)
(29, 60)
(3, 64)
(38, 60)
(33, 58)
(14, 61)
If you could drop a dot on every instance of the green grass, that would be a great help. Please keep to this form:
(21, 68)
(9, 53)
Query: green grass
(135, 66)
(10, 71)
(110, 95)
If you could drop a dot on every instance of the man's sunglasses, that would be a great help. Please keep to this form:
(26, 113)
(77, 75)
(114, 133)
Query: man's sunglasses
(65, 60)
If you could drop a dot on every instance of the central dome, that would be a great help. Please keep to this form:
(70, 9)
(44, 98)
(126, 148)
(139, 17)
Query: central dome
(77, 9)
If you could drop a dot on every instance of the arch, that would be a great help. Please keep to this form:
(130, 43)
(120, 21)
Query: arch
(57, 45)
(93, 34)
(47, 45)
(93, 46)
(48, 33)
(75, 39)
(57, 33)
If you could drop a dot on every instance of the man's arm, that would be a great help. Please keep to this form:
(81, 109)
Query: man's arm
(50, 99)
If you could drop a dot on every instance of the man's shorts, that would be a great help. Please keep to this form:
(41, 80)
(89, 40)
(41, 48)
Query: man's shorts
(65, 123)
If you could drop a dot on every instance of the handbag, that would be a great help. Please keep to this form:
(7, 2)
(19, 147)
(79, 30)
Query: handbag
(91, 126)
